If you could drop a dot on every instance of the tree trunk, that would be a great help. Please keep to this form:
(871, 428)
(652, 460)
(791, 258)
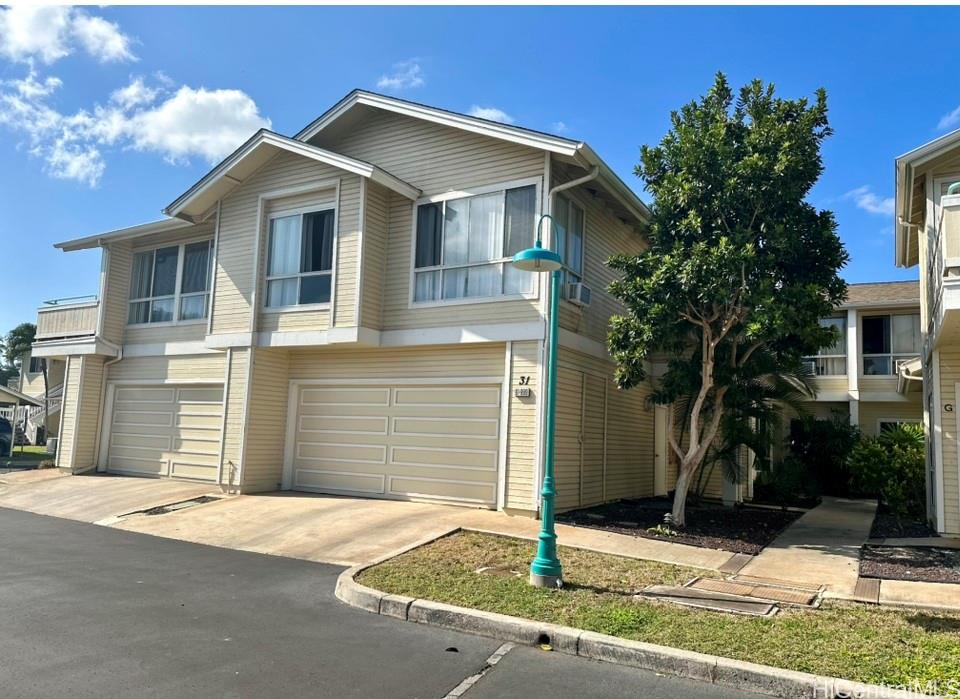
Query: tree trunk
(679, 513)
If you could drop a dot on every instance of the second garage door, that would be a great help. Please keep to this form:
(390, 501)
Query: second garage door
(438, 442)
(166, 431)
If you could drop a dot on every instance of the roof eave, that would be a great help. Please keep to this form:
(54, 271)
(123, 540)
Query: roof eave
(95, 241)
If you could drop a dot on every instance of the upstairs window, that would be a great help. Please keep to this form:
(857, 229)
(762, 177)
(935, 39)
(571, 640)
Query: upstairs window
(568, 224)
(464, 246)
(171, 284)
(300, 259)
(831, 361)
(888, 341)
(35, 366)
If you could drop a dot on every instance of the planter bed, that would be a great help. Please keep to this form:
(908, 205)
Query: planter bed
(741, 529)
(918, 563)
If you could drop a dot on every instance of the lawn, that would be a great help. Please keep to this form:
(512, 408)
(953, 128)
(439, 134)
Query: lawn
(863, 643)
(29, 458)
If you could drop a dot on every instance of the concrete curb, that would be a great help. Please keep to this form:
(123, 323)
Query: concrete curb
(727, 672)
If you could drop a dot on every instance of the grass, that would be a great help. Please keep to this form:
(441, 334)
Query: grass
(29, 458)
(864, 643)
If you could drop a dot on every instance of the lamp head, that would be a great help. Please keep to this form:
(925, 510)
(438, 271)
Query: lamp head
(537, 259)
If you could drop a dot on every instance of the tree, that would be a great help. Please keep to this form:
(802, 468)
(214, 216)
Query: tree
(18, 342)
(738, 262)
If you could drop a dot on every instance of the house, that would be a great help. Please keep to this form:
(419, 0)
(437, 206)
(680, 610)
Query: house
(928, 235)
(31, 383)
(336, 312)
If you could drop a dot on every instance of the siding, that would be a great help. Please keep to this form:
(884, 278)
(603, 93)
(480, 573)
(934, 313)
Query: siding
(81, 414)
(949, 377)
(871, 412)
(201, 367)
(238, 233)
(266, 426)
(235, 399)
(376, 224)
(523, 429)
(436, 361)
(605, 436)
(831, 384)
(32, 384)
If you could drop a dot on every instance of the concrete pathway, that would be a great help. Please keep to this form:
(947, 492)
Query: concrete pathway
(910, 593)
(820, 548)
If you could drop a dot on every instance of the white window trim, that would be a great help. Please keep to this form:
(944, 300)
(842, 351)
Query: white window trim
(461, 194)
(894, 356)
(301, 211)
(845, 355)
(176, 295)
(583, 243)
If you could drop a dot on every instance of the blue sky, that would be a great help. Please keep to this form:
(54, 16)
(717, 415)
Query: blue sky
(108, 114)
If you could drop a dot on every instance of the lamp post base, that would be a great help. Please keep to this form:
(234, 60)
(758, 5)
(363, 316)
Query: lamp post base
(553, 582)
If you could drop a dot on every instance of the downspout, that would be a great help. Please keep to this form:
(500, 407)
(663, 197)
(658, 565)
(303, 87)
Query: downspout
(103, 408)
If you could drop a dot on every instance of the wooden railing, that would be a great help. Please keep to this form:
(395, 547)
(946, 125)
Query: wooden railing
(74, 317)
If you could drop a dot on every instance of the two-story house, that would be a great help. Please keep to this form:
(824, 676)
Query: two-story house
(336, 312)
(928, 235)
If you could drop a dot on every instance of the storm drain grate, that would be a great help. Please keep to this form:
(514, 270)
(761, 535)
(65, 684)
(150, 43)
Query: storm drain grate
(176, 506)
(775, 593)
(714, 601)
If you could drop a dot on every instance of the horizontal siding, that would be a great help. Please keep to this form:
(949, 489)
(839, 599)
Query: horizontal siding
(238, 233)
(80, 414)
(871, 412)
(117, 291)
(949, 377)
(376, 211)
(201, 367)
(32, 384)
(266, 426)
(234, 400)
(831, 384)
(69, 411)
(443, 361)
(523, 429)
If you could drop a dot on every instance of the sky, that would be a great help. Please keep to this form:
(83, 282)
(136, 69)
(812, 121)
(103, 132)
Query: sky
(108, 114)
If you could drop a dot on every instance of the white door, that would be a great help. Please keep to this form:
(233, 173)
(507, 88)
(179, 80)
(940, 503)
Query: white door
(163, 431)
(433, 442)
(660, 457)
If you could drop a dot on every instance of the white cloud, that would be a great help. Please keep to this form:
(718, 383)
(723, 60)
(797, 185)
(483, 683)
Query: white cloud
(948, 121)
(491, 114)
(559, 127)
(30, 33)
(102, 39)
(191, 122)
(404, 76)
(134, 94)
(867, 200)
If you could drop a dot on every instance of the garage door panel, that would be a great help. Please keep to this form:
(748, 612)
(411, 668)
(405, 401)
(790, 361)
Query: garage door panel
(443, 489)
(467, 427)
(345, 396)
(405, 441)
(448, 396)
(166, 431)
(340, 481)
(345, 424)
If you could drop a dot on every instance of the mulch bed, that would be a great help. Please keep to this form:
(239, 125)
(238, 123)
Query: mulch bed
(925, 564)
(887, 526)
(735, 529)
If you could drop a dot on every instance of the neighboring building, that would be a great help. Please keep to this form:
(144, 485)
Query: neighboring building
(336, 312)
(928, 235)
(30, 382)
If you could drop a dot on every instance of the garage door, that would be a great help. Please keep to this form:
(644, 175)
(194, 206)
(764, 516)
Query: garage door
(166, 431)
(399, 441)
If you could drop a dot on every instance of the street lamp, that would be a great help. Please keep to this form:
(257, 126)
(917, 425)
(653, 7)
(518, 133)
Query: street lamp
(546, 570)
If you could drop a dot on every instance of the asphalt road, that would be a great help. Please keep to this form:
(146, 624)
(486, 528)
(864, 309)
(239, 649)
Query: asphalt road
(88, 611)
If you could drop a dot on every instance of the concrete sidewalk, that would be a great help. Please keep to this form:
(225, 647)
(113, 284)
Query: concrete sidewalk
(822, 548)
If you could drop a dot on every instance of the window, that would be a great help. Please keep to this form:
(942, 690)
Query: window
(171, 284)
(887, 424)
(464, 246)
(568, 221)
(889, 340)
(300, 261)
(35, 366)
(831, 361)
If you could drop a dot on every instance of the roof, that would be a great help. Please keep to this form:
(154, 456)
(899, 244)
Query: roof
(10, 395)
(577, 150)
(260, 147)
(905, 166)
(164, 225)
(883, 294)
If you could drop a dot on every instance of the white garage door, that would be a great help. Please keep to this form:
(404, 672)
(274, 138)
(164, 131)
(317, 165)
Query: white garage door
(166, 431)
(398, 441)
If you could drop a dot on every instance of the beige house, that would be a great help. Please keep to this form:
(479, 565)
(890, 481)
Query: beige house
(928, 236)
(335, 312)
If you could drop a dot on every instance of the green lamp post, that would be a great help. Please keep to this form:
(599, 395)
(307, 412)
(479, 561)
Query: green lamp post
(546, 570)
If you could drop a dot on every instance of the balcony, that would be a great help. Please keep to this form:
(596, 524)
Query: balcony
(68, 326)
(944, 275)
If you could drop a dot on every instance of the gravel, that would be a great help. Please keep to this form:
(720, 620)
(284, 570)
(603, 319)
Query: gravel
(925, 564)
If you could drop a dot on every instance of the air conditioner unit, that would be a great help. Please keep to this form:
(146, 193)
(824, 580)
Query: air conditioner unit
(578, 294)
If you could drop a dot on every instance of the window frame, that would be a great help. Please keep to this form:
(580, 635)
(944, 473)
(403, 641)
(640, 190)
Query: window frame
(301, 211)
(567, 270)
(536, 182)
(30, 364)
(176, 296)
(894, 356)
(897, 421)
(820, 355)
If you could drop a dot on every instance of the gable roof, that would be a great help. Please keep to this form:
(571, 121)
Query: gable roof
(906, 165)
(577, 150)
(243, 162)
(883, 294)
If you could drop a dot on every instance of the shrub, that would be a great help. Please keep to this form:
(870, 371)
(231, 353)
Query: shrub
(47, 463)
(824, 446)
(891, 467)
(789, 483)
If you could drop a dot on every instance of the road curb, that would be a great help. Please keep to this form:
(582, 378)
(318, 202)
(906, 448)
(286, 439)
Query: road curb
(761, 679)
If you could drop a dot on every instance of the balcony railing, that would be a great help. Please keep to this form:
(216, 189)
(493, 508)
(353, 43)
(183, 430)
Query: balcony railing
(76, 316)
